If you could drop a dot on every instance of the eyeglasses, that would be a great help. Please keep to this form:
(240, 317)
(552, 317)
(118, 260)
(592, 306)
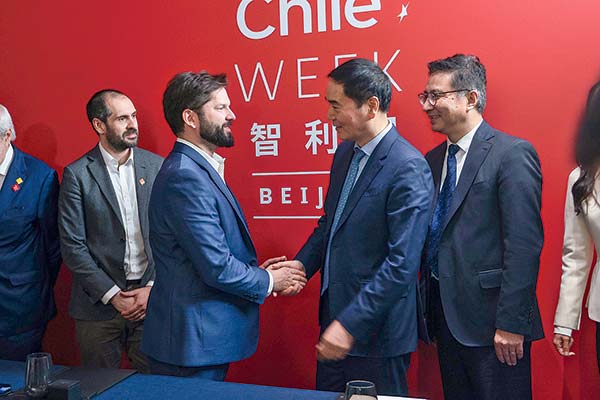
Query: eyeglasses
(433, 97)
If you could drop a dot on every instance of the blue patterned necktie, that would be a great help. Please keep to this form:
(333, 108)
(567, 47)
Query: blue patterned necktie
(441, 211)
(346, 190)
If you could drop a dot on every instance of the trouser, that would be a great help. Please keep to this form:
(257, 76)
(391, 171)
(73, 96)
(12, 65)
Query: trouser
(17, 347)
(476, 372)
(101, 343)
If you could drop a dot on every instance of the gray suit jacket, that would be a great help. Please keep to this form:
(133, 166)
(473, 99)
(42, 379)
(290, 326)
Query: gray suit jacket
(92, 235)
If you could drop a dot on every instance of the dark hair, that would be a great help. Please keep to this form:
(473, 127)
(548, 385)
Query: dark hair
(96, 106)
(587, 150)
(363, 79)
(188, 90)
(467, 73)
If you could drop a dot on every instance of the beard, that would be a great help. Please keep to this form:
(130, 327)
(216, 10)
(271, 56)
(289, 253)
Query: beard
(215, 134)
(119, 142)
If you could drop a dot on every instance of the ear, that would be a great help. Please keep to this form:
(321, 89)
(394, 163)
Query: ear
(6, 135)
(472, 99)
(99, 126)
(373, 106)
(190, 118)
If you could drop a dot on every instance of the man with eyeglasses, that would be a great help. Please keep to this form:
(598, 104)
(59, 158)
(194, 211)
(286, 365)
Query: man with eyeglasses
(481, 259)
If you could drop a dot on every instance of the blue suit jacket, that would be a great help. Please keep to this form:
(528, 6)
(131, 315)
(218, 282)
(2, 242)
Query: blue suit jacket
(489, 252)
(29, 247)
(376, 248)
(203, 308)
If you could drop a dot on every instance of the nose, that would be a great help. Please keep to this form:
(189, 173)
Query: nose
(330, 114)
(427, 105)
(132, 123)
(230, 115)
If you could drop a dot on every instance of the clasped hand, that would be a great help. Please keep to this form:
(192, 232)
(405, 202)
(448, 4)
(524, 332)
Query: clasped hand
(289, 277)
(132, 304)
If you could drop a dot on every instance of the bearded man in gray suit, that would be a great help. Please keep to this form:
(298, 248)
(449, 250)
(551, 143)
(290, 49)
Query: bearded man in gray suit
(103, 222)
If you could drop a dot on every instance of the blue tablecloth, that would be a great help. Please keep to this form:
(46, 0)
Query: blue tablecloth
(13, 373)
(150, 387)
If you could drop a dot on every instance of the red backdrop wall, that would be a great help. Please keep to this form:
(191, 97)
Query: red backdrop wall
(541, 60)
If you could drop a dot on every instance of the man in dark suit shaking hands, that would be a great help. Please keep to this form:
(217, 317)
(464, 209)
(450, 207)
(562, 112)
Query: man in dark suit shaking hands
(368, 243)
(482, 254)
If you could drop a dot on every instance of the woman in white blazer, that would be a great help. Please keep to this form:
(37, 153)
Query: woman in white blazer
(582, 233)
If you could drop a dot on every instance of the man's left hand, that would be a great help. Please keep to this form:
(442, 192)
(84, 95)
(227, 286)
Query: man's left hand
(509, 347)
(140, 297)
(335, 343)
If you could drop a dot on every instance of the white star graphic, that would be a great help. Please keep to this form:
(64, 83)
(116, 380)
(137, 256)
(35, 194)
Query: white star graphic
(404, 11)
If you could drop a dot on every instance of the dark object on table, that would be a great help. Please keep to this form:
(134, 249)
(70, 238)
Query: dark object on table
(94, 381)
(64, 389)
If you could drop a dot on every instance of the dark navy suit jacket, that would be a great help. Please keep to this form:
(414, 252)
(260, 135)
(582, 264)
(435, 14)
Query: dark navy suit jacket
(375, 250)
(489, 251)
(29, 246)
(203, 308)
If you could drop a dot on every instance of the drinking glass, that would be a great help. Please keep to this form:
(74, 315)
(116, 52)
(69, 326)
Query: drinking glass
(360, 390)
(37, 376)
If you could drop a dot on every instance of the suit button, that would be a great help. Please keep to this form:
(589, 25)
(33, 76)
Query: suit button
(122, 239)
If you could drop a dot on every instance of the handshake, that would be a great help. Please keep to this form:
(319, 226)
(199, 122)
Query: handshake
(289, 277)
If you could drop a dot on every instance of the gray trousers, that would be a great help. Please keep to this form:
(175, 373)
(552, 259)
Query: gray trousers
(101, 343)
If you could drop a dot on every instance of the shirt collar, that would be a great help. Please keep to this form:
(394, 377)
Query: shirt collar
(7, 161)
(369, 147)
(112, 162)
(465, 142)
(216, 161)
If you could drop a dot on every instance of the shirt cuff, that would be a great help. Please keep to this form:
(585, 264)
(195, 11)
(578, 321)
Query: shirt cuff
(561, 330)
(270, 283)
(150, 283)
(110, 294)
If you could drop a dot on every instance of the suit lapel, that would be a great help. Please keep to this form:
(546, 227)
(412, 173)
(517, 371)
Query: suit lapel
(98, 171)
(374, 164)
(142, 187)
(436, 163)
(219, 183)
(337, 182)
(478, 151)
(16, 170)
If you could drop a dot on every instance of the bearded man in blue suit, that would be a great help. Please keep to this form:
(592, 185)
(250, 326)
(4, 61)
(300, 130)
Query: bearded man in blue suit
(29, 246)
(203, 309)
(368, 243)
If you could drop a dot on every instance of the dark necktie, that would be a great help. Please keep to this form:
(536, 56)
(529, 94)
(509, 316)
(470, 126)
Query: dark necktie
(441, 211)
(346, 190)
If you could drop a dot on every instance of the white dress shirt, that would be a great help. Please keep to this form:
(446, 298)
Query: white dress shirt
(461, 155)
(6, 164)
(369, 147)
(122, 178)
(218, 163)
